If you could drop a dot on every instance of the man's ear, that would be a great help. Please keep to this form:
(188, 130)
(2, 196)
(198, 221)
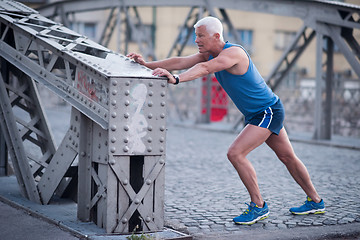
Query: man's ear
(217, 35)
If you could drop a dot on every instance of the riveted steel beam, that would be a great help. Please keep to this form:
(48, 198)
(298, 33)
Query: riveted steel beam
(119, 110)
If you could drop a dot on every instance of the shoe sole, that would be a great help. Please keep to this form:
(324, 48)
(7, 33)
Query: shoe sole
(314, 211)
(255, 220)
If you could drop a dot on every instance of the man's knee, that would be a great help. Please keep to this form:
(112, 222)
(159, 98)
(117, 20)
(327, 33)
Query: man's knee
(234, 155)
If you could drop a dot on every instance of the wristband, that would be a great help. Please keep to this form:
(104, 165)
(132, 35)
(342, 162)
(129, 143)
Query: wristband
(177, 79)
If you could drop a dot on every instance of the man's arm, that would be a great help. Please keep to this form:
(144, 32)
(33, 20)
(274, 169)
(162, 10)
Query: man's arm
(170, 64)
(233, 59)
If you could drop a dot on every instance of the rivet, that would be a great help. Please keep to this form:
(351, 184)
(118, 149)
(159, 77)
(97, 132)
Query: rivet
(148, 181)
(126, 128)
(161, 161)
(162, 128)
(162, 115)
(125, 182)
(113, 139)
(113, 114)
(149, 140)
(112, 161)
(113, 127)
(126, 149)
(150, 128)
(163, 84)
(147, 219)
(127, 103)
(126, 140)
(162, 94)
(150, 116)
(113, 102)
(113, 149)
(150, 104)
(137, 201)
(127, 93)
(151, 84)
(162, 139)
(127, 83)
(114, 82)
(163, 104)
(126, 115)
(114, 92)
(124, 221)
(83, 154)
(161, 149)
(149, 149)
(151, 93)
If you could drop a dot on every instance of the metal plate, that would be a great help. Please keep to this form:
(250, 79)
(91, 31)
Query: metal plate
(137, 121)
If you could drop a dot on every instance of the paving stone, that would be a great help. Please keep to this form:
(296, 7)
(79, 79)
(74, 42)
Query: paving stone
(203, 189)
(281, 226)
(277, 221)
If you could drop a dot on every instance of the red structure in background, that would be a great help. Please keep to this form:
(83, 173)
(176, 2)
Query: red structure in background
(219, 100)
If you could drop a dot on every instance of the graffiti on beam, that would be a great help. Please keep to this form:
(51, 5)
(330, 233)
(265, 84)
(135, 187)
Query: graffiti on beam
(87, 85)
(138, 123)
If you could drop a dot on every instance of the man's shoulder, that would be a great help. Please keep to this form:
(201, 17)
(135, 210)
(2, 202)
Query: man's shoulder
(234, 51)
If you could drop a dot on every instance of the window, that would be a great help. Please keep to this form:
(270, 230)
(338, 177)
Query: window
(87, 29)
(147, 30)
(246, 37)
(283, 39)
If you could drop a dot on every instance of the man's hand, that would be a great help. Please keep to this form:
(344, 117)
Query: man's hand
(160, 72)
(137, 58)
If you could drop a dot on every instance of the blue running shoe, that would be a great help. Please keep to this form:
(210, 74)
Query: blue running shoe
(309, 207)
(252, 214)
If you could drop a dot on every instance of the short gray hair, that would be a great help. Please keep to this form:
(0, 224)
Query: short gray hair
(212, 24)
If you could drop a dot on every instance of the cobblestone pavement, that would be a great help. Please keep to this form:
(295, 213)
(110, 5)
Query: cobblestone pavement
(203, 191)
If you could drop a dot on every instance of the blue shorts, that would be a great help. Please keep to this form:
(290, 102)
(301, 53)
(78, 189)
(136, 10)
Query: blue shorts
(271, 118)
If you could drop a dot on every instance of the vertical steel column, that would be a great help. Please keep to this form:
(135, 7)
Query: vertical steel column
(84, 168)
(324, 81)
(319, 115)
(326, 132)
(136, 148)
(3, 147)
(3, 156)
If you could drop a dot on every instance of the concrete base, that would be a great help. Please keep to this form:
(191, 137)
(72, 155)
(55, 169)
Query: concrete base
(63, 213)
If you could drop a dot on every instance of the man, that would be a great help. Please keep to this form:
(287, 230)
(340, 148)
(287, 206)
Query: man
(263, 111)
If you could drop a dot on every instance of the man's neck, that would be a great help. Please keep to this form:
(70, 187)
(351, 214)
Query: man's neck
(217, 49)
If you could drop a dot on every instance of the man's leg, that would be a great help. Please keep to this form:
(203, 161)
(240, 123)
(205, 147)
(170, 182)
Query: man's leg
(281, 145)
(250, 138)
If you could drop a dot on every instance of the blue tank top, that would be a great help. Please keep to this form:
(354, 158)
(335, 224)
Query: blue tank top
(249, 92)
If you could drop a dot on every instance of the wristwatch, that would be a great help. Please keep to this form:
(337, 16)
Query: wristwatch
(177, 79)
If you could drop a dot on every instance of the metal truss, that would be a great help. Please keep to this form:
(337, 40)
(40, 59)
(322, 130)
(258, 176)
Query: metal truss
(115, 145)
(339, 18)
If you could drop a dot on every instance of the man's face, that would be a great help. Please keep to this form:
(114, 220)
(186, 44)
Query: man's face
(203, 39)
